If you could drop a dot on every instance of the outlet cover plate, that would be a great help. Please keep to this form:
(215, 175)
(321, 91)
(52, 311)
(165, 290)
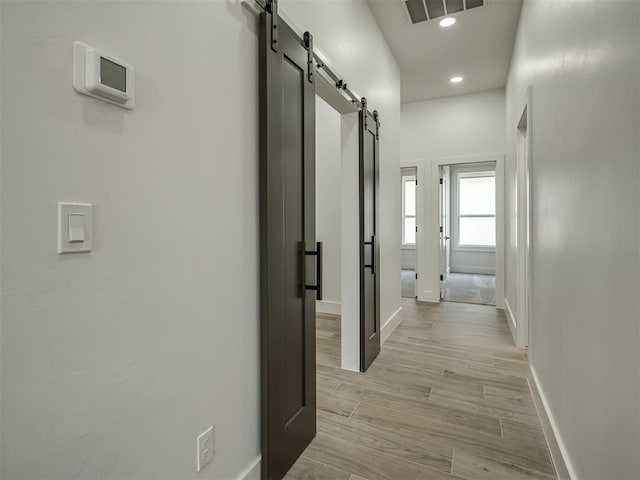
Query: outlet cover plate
(205, 448)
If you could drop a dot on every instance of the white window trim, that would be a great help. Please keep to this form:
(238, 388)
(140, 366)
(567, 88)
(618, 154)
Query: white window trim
(458, 247)
(405, 178)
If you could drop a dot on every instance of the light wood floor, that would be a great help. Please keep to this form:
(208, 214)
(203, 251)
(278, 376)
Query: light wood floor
(446, 398)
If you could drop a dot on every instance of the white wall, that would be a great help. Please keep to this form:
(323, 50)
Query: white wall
(408, 258)
(1, 241)
(459, 126)
(113, 361)
(582, 60)
(453, 126)
(347, 35)
(328, 202)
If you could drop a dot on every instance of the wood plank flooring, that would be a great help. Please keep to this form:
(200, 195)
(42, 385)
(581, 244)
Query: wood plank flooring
(446, 399)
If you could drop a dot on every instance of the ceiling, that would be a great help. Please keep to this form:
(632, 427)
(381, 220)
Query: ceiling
(478, 47)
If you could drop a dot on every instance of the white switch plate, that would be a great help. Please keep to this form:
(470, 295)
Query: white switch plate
(206, 448)
(65, 245)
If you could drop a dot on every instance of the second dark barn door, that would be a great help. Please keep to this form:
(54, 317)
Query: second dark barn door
(369, 242)
(290, 260)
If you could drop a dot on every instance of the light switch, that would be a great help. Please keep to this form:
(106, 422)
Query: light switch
(75, 227)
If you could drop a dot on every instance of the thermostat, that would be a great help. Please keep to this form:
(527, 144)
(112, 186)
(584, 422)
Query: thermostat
(102, 76)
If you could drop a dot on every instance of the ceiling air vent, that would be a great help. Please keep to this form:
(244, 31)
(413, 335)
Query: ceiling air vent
(422, 10)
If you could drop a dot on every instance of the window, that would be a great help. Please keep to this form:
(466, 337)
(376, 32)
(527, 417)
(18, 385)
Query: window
(408, 210)
(477, 209)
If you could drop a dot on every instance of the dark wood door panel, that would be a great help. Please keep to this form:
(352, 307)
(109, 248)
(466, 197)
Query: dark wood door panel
(287, 224)
(369, 251)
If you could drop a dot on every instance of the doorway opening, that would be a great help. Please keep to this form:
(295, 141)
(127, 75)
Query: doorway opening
(465, 233)
(408, 263)
(339, 226)
(522, 319)
(328, 231)
(468, 233)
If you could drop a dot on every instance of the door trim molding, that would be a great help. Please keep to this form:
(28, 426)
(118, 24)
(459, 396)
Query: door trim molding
(524, 195)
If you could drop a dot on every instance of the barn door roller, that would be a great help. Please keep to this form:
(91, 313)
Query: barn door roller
(308, 43)
(272, 8)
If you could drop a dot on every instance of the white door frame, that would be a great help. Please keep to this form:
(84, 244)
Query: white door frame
(432, 290)
(524, 216)
(446, 174)
(349, 306)
(418, 165)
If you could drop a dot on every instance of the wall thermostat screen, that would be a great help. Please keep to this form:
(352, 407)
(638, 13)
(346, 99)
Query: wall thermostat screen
(113, 75)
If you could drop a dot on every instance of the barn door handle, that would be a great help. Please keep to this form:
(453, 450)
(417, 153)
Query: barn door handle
(373, 254)
(318, 286)
(372, 265)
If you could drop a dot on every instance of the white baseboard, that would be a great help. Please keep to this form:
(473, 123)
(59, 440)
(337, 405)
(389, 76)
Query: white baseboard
(511, 320)
(252, 472)
(406, 266)
(429, 296)
(561, 462)
(390, 325)
(327, 306)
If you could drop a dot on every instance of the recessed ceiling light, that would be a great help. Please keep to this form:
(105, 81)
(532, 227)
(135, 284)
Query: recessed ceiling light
(447, 21)
(456, 79)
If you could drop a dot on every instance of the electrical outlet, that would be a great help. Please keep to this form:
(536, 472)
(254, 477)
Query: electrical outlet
(206, 448)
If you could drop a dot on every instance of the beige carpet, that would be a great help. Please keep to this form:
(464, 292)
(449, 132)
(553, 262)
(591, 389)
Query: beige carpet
(470, 288)
(408, 283)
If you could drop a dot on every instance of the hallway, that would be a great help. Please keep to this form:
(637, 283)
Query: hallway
(446, 398)
(187, 185)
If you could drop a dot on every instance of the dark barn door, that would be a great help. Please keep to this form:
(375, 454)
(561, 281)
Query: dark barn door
(369, 244)
(288, 253)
